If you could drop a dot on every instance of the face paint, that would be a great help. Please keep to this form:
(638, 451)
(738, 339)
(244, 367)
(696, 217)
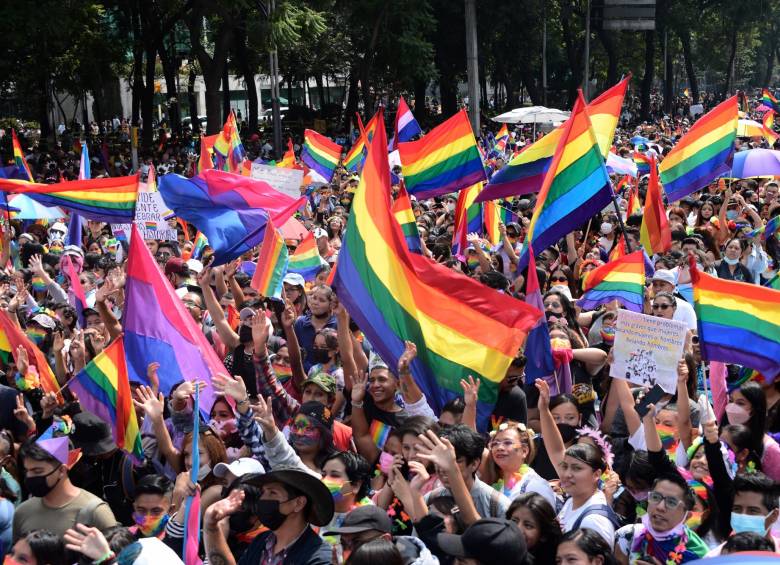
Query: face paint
(37, 284)
(149, 526)
(304, 433)
(36, 335)
(283, 373)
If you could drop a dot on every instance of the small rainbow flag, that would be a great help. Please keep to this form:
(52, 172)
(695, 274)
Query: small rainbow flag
(655, 235)
(468, 218)
(502, 138)
(774, 283)
(306, 260)
(288, 159)
(271, 264)
(703, 154)
(19, 159)
(199, 245)
(738, 322)
(769, 127)
(768, 100)
(633, 206)
(406, 127)
(150, 225)
(642, 163)
(767, 230)
(357, 154)
(11, 336)
(445, 160)
(402, 210)
(619, 250)
(320, 154)
(622, 280)
(103, 388)
(228, 149)
(379, 433)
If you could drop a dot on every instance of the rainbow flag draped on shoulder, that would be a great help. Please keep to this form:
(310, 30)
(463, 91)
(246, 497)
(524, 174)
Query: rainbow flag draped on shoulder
(622, 280)
(738, 322)
(576, 187)
(402, 209)
(306, 260)
(525, 173)
(445, 160)
(460, 327)
(320, 154)
(271, 264)
(103, 388)
(703, 154)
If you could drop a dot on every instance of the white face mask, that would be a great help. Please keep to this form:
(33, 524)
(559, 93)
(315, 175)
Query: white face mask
(450, 206)
(606, 228)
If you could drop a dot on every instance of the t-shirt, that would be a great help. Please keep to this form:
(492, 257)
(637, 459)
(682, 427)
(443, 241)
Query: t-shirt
(86, 508)
(568, 517)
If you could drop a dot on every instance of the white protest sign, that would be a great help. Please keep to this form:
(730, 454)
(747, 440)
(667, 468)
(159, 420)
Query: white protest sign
(286, 181)
(150, 212)
(647, 349)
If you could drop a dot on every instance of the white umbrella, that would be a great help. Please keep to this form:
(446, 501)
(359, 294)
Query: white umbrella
(29, 209)
(533, 115)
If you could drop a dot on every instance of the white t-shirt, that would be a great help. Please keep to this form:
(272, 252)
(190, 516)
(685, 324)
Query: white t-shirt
(567, 517)
(685, 313)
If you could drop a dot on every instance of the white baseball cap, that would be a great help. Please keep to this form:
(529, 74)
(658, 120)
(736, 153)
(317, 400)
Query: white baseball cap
(240, 467)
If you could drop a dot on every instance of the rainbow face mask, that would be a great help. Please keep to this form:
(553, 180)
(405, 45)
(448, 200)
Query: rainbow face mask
(669, 438)
(607, 334)
(37, 284)
(335, 487)
(149, 526)
(283, 372)
(472, 263)
(36, 335)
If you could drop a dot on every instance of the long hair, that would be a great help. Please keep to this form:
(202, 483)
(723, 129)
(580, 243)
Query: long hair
(549, 528)
(213, 446)
(591, 543)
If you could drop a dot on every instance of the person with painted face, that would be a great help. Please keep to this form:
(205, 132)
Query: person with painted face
(291, 501)
(55, 503)
(730, 267)
(223, 421)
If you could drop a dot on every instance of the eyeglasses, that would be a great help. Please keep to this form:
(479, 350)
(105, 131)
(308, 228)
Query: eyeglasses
(191, 304)
(671, 502)
(506, 444)
(558, 278)
(661, 306)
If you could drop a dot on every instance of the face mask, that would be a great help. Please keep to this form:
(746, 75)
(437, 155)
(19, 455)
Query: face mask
(472, 263)
(607, 334)
(37, 284)
(549, 315)
(244, 334)
(731, 214)
(661, 536)
(203, 471)
(35, 335)
(224, 427)
(568, 432)
(606, 228)
(37, 486)
(450, 206)
(319, 355)
(149, 526)
(731, 261)
(694, 519)
(737, 414)
(241, 521)
(638, 496)
(267, 511)
(385, 462)
(746, 523)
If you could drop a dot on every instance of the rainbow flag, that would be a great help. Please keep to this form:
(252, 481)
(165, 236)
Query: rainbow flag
(306, 260)
(288, 159)
(633, 206)
(271, 263)
(642, 163)
(206, 158)
(320, 154)
(228, 149)
(354, 159)
(12, 336)
(738, 322)
(199, 245)
(402, 210)
(687, 93)
(768, 100)
(379, 432)
(769, 127)
(19, 159)
(774, 283)
(445, 160)
(766, 230)
(502, 139)
(103, 388)
(619, 250)
(526, 172)
(107, 199)
(491, 217)
(406, 127)
(468, 218)
(460, 326)
(76, 295)
(655, 235)
(622, 280)
(575, 188)
(703, 154)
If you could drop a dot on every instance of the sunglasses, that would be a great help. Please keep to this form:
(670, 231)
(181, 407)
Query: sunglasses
(559, 278)
(661, 306)
(553, 305)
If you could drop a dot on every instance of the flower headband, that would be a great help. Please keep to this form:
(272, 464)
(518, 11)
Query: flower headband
(601, 442)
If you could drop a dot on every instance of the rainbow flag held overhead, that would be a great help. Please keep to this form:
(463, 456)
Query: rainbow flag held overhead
(306, 260)
(103, 388)
(738, 322)
(622, 280)
(502, 138)
(13, 337)
(768, 100)
(460, 327)
(107, 199)
(271, 264)
(199, 245)
(768, 124)
(525, 173)
(575, 188)
(402, 210)
(642, 163)
(228, 149)
(288, 159)
(703, 154)
(654, 234)
(206, 158)
(354, 159)
(320, 154)
(406, 127)
(445, 160)
(468, 219)
(19, 159)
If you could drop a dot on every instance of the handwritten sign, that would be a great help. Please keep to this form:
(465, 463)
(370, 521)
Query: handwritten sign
(286, 181)
(150, 213)
(647, 349)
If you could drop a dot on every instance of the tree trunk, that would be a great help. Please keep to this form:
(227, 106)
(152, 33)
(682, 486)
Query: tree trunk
(732, 56)
(770, 63)
(147, 101)
(448, 89)
(606, 39)
(685, 40)
(225, 93)
(320, 89)
(193, 101)
(138, 78)
(352, 99)
(241, 60)
(43, 109)
(647, 79)
(170, 70)
(368, 61)
(420, 108)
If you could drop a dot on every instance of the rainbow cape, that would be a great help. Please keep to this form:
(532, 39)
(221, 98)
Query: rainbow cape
(271, 264)
(768, 100)
(445, 160)
(320, 154)
(468, 218)
(107, 199)
(654, 234)
(103, 388)
(703, 154)
(11, 336)
(622, 279)
(19, 159)
(306, 260)
(229, 151)
(738, 322)
(402, 210)
(525, 173)
(460, 326)
(575, 188)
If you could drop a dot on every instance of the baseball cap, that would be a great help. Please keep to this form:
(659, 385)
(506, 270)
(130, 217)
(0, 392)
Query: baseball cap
(294, 279)
(45, 321)
(363, 519)
(491, 541)
(245, 314)
(194, 265)
(176, 266)
(240, 467)
(665, 275)
(323, 380)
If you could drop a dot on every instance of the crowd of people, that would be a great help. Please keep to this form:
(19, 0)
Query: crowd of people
(316, 451)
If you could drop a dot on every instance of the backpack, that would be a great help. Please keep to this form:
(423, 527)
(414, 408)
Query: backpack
(598, 510)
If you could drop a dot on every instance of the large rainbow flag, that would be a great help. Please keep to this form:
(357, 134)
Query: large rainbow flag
(654, 234)
(622, 280)
(228, 148)
(12, 336)
(103, 388)
(468, 218)
(19, 159)
(271, 264)
(108, 199)
(525, 173)
(460, 327)
(402, 209)
(703, 154)
(320, 154)
(306, 260)
(768, 100)
(445, 160)
(738, 322)
(575, 188)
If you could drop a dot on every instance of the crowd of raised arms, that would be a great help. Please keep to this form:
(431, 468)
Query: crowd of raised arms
(315, 447)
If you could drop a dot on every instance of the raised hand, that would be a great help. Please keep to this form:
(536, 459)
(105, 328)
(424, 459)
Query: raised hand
(151, 404)
(288, 315)
(259, 332)
(229, 385)
(21, 413)
(58, 343)
(87, 540)
(48, 404)
(223, 508)
(544, 393)
(151, 374)
(36, 265)
(470, 390)
(22, 361)
(232, 267)
(410, 352)
(204, 277)
(76, 350)
(359, 382)
(264, 414)
(682, 371)
(438, 451)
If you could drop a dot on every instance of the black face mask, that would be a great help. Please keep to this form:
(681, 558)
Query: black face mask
(269, 514)
(549, 315)
(319, 355)
(37, 486)
(245, 334)
(568, 433)
(240, 522)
